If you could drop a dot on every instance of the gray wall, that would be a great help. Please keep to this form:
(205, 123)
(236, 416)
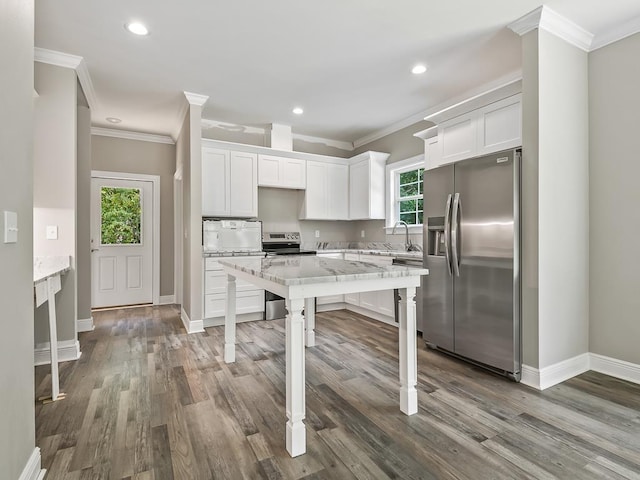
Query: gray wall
(17, 440)
(400, 145)
(83, 211)
(139, 157)
(54, 187)
(614, 76)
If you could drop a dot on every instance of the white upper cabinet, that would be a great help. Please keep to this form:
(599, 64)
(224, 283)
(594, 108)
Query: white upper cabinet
(500, 125)
(367, 186)
(495, 127)
(326, 195)
(229, 183)
(281, 172)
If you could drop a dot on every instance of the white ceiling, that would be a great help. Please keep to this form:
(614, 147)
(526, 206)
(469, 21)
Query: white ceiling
(347, 63)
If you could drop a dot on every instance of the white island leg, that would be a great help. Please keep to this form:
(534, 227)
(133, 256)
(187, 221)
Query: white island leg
(408, 352)
(230, 321)
(310, 321)
(296, 441)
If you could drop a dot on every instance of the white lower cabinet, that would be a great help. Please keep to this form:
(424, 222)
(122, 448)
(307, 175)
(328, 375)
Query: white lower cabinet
(249, 299)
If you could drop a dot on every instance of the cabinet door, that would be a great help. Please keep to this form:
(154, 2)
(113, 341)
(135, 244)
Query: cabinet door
(293, 173)
(268, 171)
(500, 125)
(359, 190)
(431, 153)
(385, 303)
(215, 182)
(369, 300)
(457, 138)
(315, 194)
(337, 195)
(243, 184)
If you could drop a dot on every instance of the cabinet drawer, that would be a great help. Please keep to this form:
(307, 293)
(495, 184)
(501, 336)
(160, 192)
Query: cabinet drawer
(246, 302)
(215, 281)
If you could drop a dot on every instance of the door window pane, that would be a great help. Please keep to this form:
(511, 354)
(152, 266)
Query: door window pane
(121, 216)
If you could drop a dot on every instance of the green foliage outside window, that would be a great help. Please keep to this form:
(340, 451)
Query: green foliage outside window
(121, 216)
(410, 203)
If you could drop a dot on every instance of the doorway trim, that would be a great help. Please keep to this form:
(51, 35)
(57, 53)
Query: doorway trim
(155, 180)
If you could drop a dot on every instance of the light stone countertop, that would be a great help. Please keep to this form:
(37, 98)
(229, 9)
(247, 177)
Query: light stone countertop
(233, 254)
(45, 267)
(382, 253)
(309, 269)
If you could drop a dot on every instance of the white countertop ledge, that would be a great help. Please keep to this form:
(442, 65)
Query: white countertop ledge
(308, 269)
(45, 267)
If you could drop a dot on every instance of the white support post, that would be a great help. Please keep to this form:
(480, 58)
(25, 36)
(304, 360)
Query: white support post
(310, 321)
(408, 354)
(53, 286)
(295, 378)
(230, 321)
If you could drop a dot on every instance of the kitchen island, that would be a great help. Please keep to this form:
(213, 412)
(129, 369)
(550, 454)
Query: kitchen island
(299, 279)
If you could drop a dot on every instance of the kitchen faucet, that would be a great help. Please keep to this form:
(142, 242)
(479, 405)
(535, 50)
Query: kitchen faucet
(407, 243)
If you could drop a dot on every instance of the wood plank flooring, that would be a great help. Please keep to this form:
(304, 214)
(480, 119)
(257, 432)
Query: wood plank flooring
(147, 401)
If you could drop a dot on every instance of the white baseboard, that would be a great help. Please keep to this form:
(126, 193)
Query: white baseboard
(615, 368)
(557, 373)
(67, 350)
(32, 470)
(167, 299)
(191, 326)
(85, 324)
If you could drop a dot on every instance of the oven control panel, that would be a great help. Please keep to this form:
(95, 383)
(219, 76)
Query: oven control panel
(281, 237)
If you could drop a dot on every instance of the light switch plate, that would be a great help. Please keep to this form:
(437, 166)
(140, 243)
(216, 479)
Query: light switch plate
(52, 232)
(10, 227)
(317, 233)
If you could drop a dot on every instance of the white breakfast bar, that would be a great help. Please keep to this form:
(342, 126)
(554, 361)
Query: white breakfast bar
(299, 279)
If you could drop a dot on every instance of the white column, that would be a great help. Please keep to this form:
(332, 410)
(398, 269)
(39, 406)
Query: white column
(310, 321)
(408, 352)
(295, 429)
(230, 321)
(53, 286)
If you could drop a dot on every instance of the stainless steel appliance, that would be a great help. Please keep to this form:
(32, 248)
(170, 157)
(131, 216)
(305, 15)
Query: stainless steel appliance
(280, 243)
(471, 297)
(231, 236)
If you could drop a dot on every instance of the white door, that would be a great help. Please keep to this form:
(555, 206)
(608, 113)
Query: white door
(121, 242)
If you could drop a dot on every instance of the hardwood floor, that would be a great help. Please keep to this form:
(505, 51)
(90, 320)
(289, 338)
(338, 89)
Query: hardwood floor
(147, 401)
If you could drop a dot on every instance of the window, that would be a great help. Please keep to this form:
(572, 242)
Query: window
(409, 200)
(121, 216)
(404, 187)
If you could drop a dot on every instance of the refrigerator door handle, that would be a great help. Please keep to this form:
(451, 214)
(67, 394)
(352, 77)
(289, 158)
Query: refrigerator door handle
(455, 234)
(447, 234)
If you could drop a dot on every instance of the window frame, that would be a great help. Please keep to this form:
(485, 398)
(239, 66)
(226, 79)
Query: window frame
(393, 171)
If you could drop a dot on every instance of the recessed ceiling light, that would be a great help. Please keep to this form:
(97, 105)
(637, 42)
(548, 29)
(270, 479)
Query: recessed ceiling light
(418, 69)
(113, 120)
(298, 111)
(137, 28)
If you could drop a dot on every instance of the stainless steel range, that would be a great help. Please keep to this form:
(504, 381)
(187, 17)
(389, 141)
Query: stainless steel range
(280, 243)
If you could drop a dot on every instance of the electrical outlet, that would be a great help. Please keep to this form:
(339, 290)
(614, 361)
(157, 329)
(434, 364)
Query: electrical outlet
(10, 227)
(317, 233)
(52, 232)
(362, 233)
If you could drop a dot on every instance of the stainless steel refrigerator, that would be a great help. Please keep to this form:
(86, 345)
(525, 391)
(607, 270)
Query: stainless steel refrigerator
(471, 297)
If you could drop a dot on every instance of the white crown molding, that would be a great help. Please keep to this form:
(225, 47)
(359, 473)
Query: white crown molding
(348, 146)
(624, 30)
(87, 85)
(503, 87)
(394, 127)
(207, 124)
(196, 98)
(75, 62)
(129, 135)
(427, 133)
(59, 59)
(546, 19)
